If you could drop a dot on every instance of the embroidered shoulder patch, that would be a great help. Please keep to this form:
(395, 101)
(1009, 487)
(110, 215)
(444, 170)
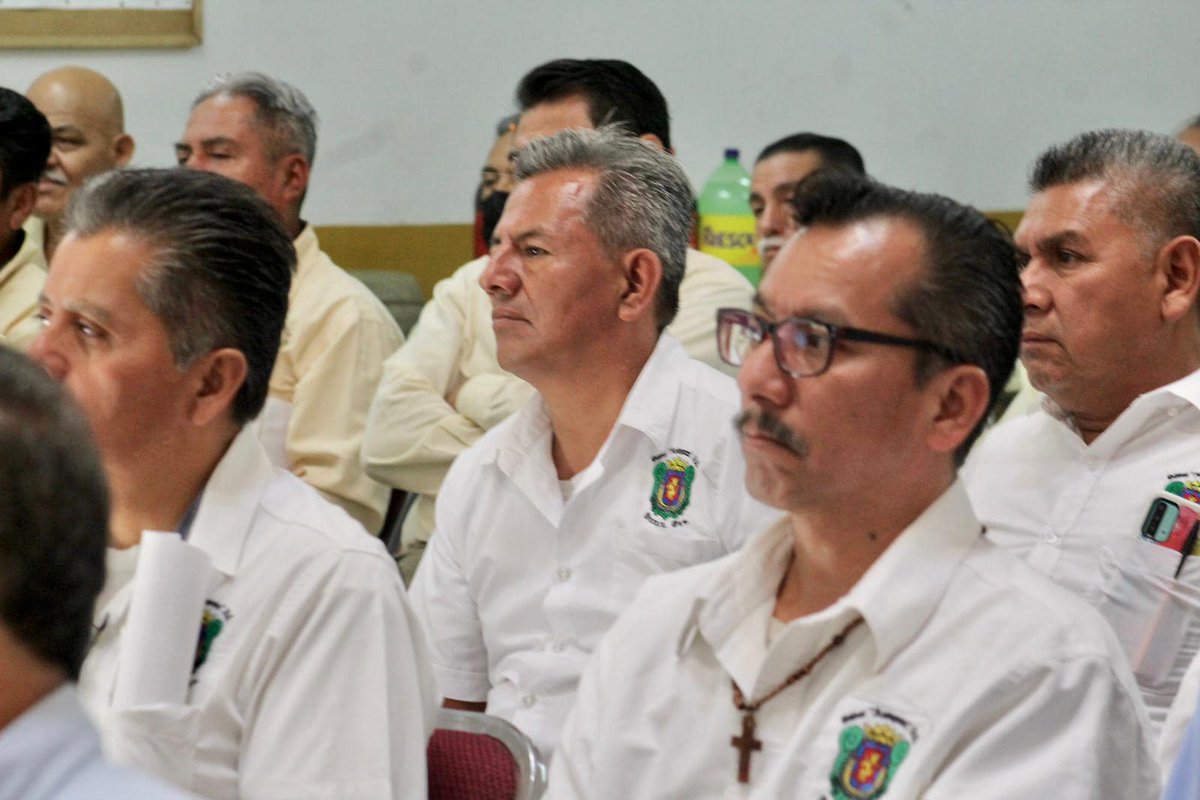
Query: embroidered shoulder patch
(674, 472)
(871, 748)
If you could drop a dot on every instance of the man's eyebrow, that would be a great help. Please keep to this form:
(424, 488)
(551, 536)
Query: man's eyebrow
(1061, 239)
(58, 130)
(216, 141)
(84, 308)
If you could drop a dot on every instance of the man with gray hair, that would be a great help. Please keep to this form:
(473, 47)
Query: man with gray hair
(1100, 487)
(622, 465)
(263, 132)
(305, 674)
(53, 529)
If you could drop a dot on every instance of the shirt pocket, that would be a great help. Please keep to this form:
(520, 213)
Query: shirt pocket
(642, 550)
(161, 739)
(1155, 614)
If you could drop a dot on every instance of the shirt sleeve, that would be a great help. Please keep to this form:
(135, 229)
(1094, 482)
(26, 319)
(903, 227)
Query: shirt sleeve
(443, 602)
(344, 703)
(708, 284)
(414, 430)
(1074, 731)
(338, 371)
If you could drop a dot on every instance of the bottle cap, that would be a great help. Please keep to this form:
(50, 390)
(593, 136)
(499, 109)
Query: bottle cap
(731, 153)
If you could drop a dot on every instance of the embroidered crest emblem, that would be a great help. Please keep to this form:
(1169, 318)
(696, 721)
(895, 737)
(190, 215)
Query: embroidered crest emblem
(211, 625)
(672, 491)
(1188, 490)
(868, 758)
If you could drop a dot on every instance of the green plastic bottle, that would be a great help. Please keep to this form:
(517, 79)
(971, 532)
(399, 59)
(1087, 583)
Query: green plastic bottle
(726, 223)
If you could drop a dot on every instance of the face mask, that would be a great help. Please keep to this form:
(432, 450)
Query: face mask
(491, 208)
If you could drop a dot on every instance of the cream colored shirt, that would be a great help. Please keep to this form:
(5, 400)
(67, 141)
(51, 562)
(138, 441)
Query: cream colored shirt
(21, 281)
(335, 340)
(970, 677)
(444, 388)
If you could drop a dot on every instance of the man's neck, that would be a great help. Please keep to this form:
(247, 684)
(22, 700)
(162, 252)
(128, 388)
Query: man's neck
(52, 235)
(154, 491)
(1178, 360)
(24, 679)
(834, 547)
(583, 408)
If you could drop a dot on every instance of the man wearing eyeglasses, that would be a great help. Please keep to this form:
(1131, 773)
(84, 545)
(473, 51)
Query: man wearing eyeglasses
(622, 465)
(873, 643)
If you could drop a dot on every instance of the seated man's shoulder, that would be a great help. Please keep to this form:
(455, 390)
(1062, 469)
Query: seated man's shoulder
(295, 517)
(702, 266)
(323, 290)
(1005, 601)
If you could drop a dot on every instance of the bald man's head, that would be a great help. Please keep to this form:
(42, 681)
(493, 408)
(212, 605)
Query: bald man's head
(87, 123)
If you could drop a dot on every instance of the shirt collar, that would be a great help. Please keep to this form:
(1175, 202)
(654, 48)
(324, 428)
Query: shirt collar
(650, 406)
(1182, 392)
(895, 596)
(230, 501)
(307, 247)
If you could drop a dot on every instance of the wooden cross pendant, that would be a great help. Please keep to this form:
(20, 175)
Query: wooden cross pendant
(746, 744)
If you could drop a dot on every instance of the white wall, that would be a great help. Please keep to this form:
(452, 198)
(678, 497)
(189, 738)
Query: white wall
(952, 96)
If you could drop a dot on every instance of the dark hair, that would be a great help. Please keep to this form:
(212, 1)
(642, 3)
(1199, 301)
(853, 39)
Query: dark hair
(54, 517)
(617, 93)
(642, 198)
(223, 263)
(1155, 178)
(24, 141)
(833, 152)
(969, 298)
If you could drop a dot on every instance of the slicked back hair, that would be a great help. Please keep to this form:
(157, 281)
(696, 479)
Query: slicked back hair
(834, 153)
(54, 517)
(642, 197)
(1155, 179)
(287, 118)
(24, 141)
(223, 263)
(968, 300)
(617, 93)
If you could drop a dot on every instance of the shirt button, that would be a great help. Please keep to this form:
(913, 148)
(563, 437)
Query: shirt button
(1051, 537)
(564, 573)
(558, 647)
(528, 700)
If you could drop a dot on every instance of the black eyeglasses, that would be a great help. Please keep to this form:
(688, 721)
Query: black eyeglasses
(803, 347)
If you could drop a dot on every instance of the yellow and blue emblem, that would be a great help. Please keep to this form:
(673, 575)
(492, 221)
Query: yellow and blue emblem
(672, 490)
(868, 758)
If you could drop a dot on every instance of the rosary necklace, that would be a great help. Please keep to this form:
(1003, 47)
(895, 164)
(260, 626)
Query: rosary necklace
(746, 744)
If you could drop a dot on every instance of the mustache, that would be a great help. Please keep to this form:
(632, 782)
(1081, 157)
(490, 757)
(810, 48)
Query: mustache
(55, 176)
(769, 241)
(767, 424)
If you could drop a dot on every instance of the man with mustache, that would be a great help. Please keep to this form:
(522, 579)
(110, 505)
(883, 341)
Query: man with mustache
(872, 643)
(444, 389)
(622, 465)
(1090, 487)
(779, 167)
(87, 124)
(24, 146)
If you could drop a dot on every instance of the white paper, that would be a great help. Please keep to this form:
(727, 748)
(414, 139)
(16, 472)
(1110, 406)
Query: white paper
(158, 645)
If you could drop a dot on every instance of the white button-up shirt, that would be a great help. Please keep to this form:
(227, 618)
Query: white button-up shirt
(52, 752)
(971, 676)
(312, 677)
(1075, 513)
(518, 586)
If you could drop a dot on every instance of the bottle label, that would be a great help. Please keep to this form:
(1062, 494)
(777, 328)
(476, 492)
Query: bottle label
(729, 237)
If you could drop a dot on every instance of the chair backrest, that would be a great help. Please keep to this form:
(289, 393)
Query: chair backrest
(474, 756)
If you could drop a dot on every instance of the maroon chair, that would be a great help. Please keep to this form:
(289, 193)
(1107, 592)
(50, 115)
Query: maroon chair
(474, 756)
